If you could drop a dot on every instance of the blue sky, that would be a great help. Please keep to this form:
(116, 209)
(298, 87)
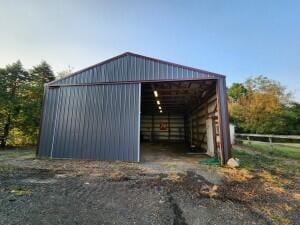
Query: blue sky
(236, 38)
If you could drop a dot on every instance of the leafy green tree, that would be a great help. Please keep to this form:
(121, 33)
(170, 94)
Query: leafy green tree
(21, 95)
(291, 118)
(236, 91)
(32, 99)
(11, 80)
(42, 73)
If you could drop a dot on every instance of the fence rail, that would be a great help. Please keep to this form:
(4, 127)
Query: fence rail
(269, 136)
(295, 137)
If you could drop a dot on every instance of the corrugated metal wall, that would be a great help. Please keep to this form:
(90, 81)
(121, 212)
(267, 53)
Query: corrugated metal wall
(133, 68)
(49, 112)
(173, 131)
(92, 122)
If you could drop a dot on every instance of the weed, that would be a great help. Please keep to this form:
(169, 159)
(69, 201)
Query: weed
(20, 191)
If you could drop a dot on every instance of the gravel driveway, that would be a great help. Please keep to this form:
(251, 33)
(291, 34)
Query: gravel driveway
(86, 192)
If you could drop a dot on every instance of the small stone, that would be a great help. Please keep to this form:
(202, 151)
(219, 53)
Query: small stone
(60, 175)
(214, 188)
(233, 162)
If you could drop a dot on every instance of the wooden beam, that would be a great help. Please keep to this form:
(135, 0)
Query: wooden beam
(169, 125)
(223, 120)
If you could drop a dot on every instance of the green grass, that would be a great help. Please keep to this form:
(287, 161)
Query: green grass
(264, 161)
(20, 191)
(16, 153)
(285, 150)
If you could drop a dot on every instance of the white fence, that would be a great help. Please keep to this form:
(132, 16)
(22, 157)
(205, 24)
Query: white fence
(269, 136)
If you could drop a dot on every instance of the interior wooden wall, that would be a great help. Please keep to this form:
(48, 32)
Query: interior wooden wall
(151, 131)
(196, 120)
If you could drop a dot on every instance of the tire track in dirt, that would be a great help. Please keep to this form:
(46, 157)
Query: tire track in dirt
(178, 214)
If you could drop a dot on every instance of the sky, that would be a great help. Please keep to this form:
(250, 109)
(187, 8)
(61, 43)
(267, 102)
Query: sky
(239, 39)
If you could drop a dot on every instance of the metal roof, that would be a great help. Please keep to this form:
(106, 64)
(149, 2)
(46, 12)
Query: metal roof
(123, 61)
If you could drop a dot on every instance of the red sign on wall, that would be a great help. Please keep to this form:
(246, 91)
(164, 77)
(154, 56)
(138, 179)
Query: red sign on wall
(163, 126)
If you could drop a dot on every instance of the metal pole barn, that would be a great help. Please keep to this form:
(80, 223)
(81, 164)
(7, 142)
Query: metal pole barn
(95, 113)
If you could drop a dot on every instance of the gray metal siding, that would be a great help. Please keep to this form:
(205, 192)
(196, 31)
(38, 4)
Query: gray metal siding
(49, 112)
(92, 122)
(133, 68)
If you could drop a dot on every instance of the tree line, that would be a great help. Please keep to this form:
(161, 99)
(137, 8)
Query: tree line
(258, 105)
(21, 93)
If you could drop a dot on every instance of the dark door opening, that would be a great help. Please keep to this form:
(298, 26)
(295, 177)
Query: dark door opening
(179, 117)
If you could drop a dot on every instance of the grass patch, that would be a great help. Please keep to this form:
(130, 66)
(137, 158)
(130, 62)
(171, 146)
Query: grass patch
(6, 167)
(20, 191)
(260, 161)
(289, 151)
(171, 166)
(16, 153)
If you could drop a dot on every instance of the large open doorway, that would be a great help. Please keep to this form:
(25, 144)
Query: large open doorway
(179, 118)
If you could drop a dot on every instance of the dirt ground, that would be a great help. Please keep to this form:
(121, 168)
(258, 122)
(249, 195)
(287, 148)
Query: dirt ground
(163, 189)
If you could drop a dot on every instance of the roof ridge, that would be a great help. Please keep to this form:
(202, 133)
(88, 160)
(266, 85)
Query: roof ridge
(128, 53)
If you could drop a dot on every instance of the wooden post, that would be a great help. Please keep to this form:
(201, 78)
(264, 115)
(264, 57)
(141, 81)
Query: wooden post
(223, 121)
(248, 138)
(169, 127)
(184, 128)
(270, 141)
(152, 128)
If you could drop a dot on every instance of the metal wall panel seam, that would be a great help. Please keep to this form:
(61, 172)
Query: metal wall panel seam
(55, 123)
(139, 121)
(85, 127)
(105, 121)
(102, 134)
(120, 95)
(69, 119)
(126, 126)
(56, 143)
(75, 126)
(112, 117)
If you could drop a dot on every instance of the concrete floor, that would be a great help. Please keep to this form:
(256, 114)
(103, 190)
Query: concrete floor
(157, 152)
(172, 157)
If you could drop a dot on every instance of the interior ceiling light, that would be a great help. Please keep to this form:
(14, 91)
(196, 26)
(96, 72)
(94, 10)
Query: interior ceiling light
(158, 102)
(155, 93)
(160, 111)
(159, 107)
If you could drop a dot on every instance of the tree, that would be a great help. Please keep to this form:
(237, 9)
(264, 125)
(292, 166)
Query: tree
(261, 84)
(291, 118)
(259, 108)
(258, 113)
(12, 79)
(21, 95)
(65, 72)
(236, 91)
(42, 73)
(32, 99)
